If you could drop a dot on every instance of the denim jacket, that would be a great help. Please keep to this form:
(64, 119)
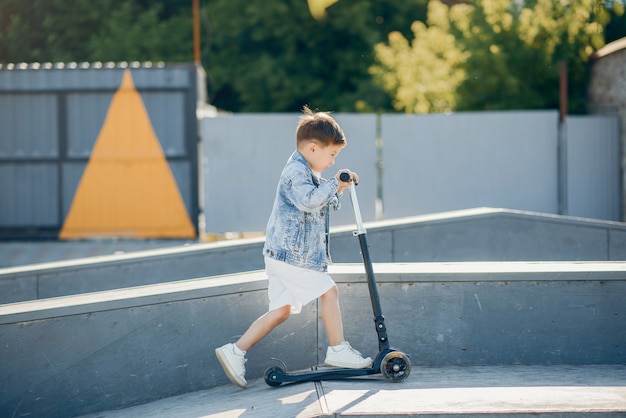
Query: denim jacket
(298, 228)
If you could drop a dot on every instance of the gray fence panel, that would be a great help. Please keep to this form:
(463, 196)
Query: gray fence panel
(29, 125)
(243, 156)
(167, 114)
(593, 167)
(72, 173)
(177, 77)
(181, 170)
(28, 196)
(436, 163)
(359, 156)
(86, 112)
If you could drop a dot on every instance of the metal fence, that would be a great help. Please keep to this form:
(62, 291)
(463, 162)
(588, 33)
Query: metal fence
(51, 117)
(243, 156)
(593, 188)
(421, 164)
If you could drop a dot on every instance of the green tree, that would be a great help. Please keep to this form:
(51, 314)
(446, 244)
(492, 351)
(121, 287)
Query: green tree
(616, 27)
(499, 55)
(273, 56)
(259, 56)
(422, 76)
(48, 30)
(135, 33)
(86, 30)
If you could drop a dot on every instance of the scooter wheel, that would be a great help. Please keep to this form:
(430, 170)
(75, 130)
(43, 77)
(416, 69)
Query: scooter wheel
(395, 366)
(272, 376)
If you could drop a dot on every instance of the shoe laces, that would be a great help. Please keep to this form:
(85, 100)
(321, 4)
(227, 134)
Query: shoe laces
(352, 350)
(243, 358)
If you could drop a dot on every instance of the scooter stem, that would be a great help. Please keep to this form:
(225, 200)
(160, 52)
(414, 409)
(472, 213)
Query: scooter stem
(360, 229)
(379, 319)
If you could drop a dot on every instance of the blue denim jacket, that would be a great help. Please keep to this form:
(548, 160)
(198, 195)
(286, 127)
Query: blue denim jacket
(297, 230)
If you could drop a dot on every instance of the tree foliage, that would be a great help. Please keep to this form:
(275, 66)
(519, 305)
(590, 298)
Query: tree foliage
(615, 27)
(103, 30)
(259, 56)
(492, 55)
(143, 35)
(273, 56)
(365, 55)
(422, 77)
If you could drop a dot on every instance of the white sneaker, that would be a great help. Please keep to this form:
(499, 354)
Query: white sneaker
(234, 365)
(347, 357)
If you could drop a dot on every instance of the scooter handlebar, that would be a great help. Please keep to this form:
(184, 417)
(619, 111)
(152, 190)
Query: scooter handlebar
(345, 177)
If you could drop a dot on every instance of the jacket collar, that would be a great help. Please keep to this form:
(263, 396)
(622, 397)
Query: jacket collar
(298, 157)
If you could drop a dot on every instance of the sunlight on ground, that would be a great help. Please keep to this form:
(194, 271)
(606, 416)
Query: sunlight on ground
(297, 398)
(495, 399)
(235, 413)
(332, 402)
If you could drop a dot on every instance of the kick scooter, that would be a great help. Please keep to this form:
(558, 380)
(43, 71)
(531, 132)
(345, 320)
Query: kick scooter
(394, 365)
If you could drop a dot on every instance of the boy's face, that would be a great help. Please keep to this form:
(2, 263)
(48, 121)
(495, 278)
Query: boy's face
(320, 158)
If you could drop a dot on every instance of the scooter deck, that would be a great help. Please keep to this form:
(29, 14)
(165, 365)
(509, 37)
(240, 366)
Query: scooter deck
(275, 376)
(394, 366)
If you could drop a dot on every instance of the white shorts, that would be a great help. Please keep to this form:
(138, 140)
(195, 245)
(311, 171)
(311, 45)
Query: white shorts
(295, 286)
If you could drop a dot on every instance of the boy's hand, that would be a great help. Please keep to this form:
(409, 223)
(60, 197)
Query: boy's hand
(343, 184)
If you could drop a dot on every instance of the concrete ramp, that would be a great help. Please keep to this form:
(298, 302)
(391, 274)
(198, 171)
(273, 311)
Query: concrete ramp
(83, 354)
(482, 234)
(498, 309)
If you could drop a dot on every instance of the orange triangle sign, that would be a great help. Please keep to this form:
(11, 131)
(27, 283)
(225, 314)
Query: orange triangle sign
(127, 189)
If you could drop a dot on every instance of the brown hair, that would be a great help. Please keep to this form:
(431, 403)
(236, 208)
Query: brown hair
(319, 127)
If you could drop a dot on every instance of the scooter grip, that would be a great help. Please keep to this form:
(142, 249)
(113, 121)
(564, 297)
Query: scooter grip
(344, 176)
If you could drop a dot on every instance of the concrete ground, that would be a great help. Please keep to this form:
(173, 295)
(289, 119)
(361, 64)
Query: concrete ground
(505, 391)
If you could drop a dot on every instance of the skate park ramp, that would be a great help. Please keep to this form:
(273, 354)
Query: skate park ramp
(540, 337)
(521, 331)
(481, 234)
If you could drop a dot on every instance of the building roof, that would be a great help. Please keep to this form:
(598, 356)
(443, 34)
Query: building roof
(610, 48)
(78, 65)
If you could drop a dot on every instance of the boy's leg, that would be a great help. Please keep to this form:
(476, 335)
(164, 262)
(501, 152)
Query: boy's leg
(331, 316)
(263, 326)
(231, 356)
(339, 353)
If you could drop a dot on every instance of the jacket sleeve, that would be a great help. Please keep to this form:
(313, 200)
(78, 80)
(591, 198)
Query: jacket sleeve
(309, 197)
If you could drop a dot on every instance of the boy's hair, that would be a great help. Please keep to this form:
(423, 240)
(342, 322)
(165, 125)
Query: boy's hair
(319, 127)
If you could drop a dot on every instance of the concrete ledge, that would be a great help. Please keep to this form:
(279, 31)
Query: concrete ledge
(82, 354)
(131, 297)
(93, 274)
(482, 234)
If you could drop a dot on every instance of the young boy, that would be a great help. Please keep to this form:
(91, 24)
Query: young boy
(296, 247)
